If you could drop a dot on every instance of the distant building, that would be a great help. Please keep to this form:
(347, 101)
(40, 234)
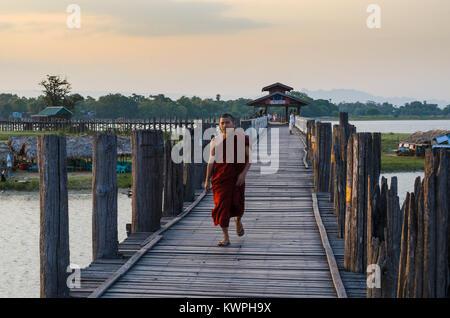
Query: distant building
(442, 141)
(417, 143)
(54, 112)
(16, 115)
(278, 97)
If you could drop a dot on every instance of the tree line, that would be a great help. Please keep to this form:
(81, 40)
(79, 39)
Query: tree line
(56, 92)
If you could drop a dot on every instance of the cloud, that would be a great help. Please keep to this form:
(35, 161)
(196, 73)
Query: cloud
(146, 18)
(5, 26)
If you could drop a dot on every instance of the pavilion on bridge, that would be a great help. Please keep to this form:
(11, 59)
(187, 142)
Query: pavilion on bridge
(278, 97)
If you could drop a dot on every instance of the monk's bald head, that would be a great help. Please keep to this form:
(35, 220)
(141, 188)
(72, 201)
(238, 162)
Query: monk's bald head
(229, 116)
(226, 121)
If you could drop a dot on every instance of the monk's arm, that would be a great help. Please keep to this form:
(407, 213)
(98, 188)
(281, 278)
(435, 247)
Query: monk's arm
(241, 177)
(247, 160)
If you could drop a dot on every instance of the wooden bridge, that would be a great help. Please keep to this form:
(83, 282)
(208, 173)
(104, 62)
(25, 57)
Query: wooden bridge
(290, 247)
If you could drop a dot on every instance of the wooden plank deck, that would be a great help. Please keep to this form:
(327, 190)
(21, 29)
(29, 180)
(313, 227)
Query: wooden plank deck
(354, 283)
(280, 255)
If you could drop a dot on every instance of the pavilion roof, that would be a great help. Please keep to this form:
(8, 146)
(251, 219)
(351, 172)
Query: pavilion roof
(262, 100)
(277, 84)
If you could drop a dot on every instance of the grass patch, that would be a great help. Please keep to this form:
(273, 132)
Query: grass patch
(389, 141)
(75, 183)
(391, 162)
(400, 163)
(10, 184)
(4, 135)
(124, 180)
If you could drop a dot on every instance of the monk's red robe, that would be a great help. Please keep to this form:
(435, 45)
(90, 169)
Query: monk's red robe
(229, 199)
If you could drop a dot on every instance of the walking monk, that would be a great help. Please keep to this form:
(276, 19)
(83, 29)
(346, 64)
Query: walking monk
(227, 168)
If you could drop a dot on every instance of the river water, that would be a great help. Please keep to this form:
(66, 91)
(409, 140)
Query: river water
(397, 126)
(19, 237)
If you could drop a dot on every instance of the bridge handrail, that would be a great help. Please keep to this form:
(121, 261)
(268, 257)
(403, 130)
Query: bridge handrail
(300, 123)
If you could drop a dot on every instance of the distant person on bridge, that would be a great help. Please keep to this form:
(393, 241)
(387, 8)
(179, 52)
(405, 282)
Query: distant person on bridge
(227, 175)
(291, 122)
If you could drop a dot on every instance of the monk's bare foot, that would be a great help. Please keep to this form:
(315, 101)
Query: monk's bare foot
(223, 243)
(239, 227)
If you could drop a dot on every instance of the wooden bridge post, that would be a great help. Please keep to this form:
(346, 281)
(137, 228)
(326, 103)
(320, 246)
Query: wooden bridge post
(322, 156)
(147, 155)
(340, 139)
(310, 124)
(392, 237)
(376, 257)
(178, 180)
(104, 196)
(429, 272)
(408, 245)
(173, 183)
(197, 155)
(364, 168)
(54, 230)
(333, 171)
(204, 164)
(436, 223)
(355, 232)
(189, 177)
(168, 195)
(383, 237)
(442, 226)
(424, 256)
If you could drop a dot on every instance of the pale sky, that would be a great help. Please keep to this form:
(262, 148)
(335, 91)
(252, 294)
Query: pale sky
(230, 47)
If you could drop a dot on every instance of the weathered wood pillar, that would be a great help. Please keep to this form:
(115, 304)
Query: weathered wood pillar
(310, 142)
(374, 154)
(417, 282)
(340, 165)
(173, 183)
(383, 237)
(331, 180)
(178, 187)
(168, 199)
(204, 163)
(429, 270)
(322, 156)
(104, 196)
(54, 218)
(147, 155)
(436, 223)
(407, 258)
(348, 202)
(197, 159)
(442, 226)
(376, 266)
(393, 240)
(375, 226)
(189, 177)
(355, 236)
(424, 256)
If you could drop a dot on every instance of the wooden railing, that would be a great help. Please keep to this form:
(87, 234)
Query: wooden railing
(98, 125)
(404, 250)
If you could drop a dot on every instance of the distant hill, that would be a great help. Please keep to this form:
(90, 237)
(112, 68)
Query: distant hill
(352, 95)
